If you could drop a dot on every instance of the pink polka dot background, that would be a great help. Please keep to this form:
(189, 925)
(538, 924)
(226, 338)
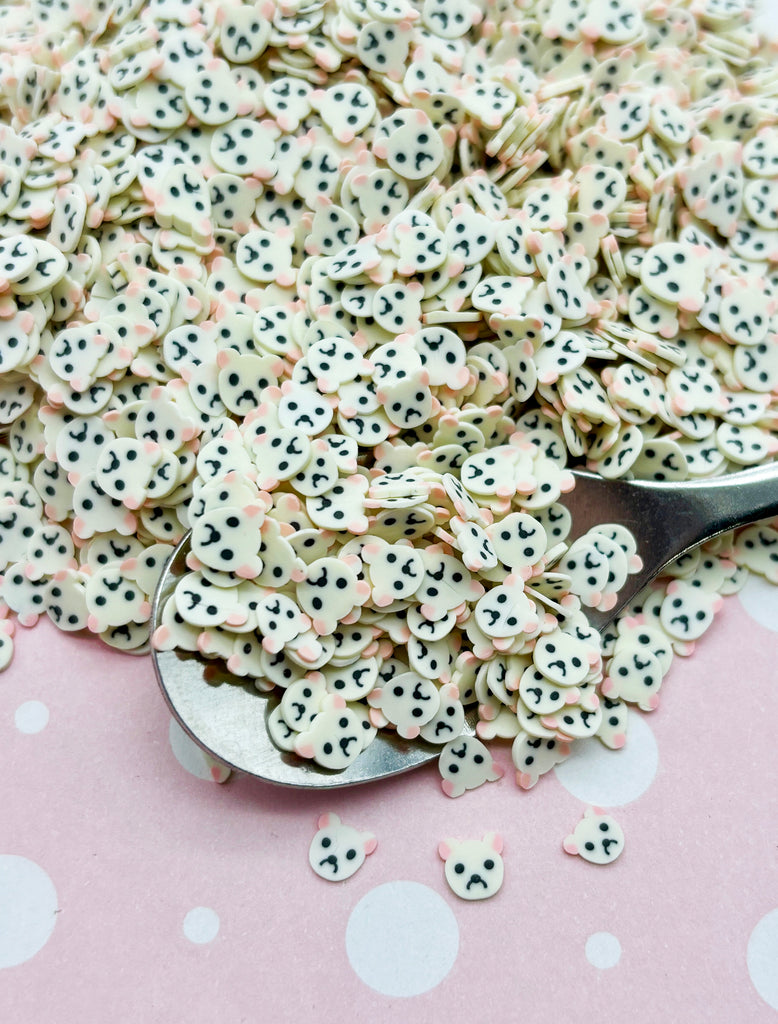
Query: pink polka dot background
(133, 887)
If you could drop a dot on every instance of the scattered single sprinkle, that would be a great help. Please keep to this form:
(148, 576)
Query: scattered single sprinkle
(598, 838)
(337, 851)
(474, 868)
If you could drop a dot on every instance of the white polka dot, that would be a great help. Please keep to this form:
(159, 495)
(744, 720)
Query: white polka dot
(192, 757)
(32, 716)
(766, 20)
(201, 925)
(28, 909)
(603, 950)
(402, 939)
(610, 778)
(762, 958)
(760, 600)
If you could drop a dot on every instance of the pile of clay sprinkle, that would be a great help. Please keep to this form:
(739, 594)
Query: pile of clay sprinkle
(345, 288)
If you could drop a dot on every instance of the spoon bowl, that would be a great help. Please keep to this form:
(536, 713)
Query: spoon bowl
(226, 715)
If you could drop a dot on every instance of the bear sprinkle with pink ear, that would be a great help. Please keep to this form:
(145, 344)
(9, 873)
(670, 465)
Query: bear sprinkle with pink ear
(337, 851)
(597, 838)
(465, 763)
(474, 868)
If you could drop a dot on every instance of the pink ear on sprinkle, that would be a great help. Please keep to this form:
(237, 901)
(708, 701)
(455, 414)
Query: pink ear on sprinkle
(370, 843)
(569, 845)
(236, 618)
(446, 848)
(327, 819)
(271, 644)
(160, 636)
(494, 839)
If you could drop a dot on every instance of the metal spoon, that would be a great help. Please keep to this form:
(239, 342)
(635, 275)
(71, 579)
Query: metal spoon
(226, 715)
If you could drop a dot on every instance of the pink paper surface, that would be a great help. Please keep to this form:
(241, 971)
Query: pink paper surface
(133, 843)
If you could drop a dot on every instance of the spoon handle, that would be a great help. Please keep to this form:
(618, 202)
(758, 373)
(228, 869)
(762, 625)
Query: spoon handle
(669, 519)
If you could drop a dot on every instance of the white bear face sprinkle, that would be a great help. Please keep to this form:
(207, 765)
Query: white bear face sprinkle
(466, 763)
(474, 868)
(338, 851)
(597, 838)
